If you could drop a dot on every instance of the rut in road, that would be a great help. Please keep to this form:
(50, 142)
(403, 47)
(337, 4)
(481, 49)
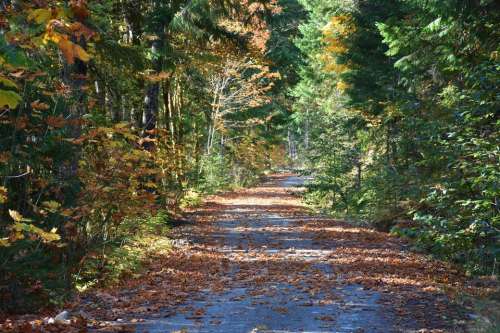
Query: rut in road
(257, 261)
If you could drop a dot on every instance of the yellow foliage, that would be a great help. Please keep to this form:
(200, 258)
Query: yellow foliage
(339, 26)
(342, 86)
(330, 65)
(60, 32)
(3, 195)
(19, 228)
(40, 15)
(118, 175)
(334, 46)
(69, 49)
(15, 215)
(335, 34)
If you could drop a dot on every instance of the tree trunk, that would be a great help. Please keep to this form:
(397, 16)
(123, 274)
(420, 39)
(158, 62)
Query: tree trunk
(151, 103)
(74, 77)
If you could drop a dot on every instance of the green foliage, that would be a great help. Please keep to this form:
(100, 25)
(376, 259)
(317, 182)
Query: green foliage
(216, 175)
(124, 256)
(406, 101)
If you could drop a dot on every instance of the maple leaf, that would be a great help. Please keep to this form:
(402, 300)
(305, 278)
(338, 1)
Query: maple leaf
(71, 51)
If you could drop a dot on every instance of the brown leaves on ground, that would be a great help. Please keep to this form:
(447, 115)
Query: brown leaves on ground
(415, 288)
(414, 285)
(31, 324)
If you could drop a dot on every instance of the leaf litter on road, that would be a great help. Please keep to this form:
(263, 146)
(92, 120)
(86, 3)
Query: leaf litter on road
(317, 257)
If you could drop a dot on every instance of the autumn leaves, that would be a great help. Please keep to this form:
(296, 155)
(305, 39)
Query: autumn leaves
(59, 26)
(61, 29)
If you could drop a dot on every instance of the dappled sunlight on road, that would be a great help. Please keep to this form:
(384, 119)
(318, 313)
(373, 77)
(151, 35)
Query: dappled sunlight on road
(256, 260)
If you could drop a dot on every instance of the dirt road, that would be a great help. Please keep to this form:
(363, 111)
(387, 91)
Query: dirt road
(257, 261)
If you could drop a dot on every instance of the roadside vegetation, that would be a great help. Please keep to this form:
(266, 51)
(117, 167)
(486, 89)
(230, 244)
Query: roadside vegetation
(397, 114)
(114, 115)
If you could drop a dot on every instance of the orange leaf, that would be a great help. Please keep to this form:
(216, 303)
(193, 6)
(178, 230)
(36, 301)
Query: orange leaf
(71, 50)
(80, 53)
(37, 105)
(56, 122)
(66, 48)
(79, 30)
(79, 8)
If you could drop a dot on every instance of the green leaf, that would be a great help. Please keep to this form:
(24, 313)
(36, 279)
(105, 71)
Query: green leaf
(11, 54)
(9, 98)
(8, 83)
(51, 205)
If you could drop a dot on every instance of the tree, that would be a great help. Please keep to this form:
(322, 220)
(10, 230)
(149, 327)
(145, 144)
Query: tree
(410, 83)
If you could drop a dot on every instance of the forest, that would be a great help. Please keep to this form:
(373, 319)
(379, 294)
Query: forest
(116, 115)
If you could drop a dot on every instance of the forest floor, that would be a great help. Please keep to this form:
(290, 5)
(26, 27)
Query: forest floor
(258, 260)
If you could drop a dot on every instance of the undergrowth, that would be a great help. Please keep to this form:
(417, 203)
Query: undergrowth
(124, 257)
